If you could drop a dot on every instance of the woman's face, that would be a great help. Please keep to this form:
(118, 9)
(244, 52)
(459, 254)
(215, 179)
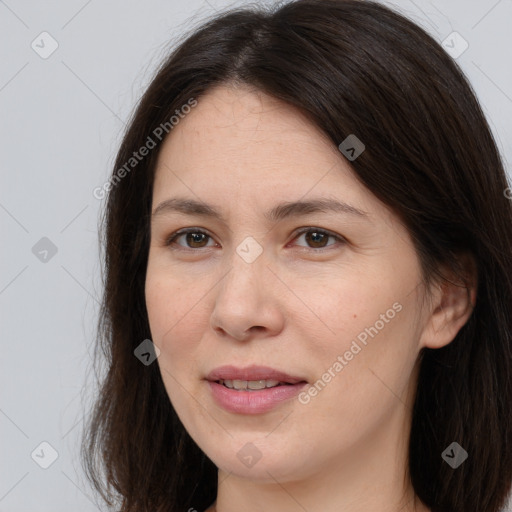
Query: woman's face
(334, 313)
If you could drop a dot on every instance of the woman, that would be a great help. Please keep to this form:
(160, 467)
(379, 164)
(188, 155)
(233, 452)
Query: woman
(308, 276)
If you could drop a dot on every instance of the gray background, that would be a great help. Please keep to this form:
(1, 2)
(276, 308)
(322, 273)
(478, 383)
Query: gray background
(61, 121)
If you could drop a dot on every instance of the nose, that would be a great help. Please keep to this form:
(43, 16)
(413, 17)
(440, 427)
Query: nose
(246, 301)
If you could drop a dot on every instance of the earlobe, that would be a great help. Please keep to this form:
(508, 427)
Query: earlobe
(452, 305)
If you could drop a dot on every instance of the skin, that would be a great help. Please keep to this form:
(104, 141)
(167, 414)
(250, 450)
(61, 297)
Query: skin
(295, 308)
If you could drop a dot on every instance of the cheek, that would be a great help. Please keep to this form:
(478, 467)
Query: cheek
(177, 320)
(336, 311)
(170, 321)
(365, 329)
(168, 302)
(162, 310)
(358, 385)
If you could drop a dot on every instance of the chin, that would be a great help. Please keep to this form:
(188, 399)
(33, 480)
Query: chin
(257, 457)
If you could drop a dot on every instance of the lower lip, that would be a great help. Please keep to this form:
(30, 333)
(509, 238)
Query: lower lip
(253, 402)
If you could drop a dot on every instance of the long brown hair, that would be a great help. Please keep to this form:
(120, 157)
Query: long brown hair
(353, 67)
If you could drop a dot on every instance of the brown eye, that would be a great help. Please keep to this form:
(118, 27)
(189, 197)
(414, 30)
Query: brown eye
(318, 238)
(194, 239)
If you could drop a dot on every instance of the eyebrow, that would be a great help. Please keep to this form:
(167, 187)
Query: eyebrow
(279, 212)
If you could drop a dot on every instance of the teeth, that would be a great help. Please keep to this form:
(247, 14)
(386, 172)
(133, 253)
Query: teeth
(240, 384)
(251, 385)
(256, 384)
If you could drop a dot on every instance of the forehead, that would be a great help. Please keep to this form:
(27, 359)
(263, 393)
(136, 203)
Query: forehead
(237, 130)
(228, 117)
(242, 145)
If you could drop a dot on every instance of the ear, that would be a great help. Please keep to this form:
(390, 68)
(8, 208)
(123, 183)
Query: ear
(452, 303)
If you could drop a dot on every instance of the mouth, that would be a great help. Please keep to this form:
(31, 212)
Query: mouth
(251, 385)
(252, 390)
(252, 377)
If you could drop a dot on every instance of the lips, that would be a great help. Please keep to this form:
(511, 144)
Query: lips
(252, 373)
(252, 401)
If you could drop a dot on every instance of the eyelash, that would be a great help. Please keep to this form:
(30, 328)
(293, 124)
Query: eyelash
(171, 239)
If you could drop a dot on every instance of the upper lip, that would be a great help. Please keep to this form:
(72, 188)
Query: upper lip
(251, 373)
